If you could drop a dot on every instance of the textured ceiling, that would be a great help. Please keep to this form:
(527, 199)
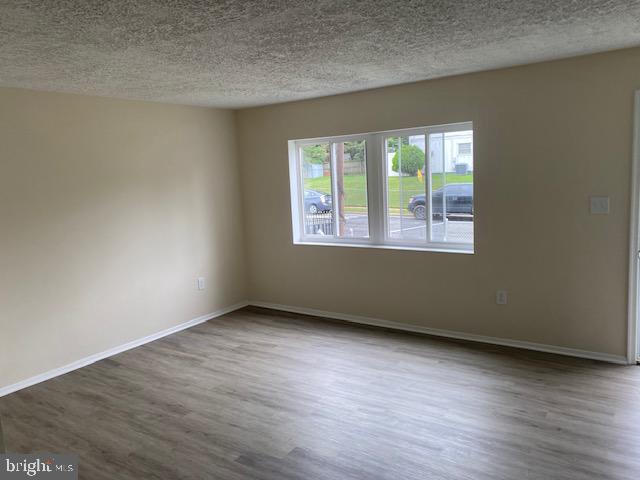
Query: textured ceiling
(234, 53)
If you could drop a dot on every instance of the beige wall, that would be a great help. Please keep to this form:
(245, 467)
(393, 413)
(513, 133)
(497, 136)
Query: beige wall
(109, 210)
(547, 137)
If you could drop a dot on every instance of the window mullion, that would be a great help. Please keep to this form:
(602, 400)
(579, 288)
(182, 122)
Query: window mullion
(375, 190)
(429, 186)
(334, 191)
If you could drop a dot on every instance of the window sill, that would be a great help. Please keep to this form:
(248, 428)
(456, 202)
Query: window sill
(428, 248)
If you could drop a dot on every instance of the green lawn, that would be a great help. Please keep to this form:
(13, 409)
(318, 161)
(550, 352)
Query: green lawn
(354, 188)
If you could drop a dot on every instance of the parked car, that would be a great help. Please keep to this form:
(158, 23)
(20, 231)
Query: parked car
(459, 201)
(317, 202)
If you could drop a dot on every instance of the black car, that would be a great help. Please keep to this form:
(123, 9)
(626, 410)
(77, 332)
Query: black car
(317, 202)
(459, 201)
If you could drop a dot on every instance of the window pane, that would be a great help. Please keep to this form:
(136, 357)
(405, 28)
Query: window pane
(451, 161)
(317, 193)
(351, 189)
(426, 180)
(406, 206)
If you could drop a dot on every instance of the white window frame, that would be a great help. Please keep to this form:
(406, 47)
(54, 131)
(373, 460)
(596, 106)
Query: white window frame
(376, 179)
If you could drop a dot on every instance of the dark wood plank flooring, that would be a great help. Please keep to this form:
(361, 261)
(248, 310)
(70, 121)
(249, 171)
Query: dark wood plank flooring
(269, 396)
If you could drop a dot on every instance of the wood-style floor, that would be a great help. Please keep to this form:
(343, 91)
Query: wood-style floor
(258, 395)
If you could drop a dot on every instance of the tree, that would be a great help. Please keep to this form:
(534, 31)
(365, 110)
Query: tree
(317, 154)
(355, 150)
(411, 157)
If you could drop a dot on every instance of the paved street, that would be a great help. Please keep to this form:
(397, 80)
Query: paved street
(407, 227)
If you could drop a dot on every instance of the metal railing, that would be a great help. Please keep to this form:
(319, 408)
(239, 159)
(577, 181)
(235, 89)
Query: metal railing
(318, 224)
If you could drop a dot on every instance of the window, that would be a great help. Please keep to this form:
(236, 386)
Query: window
(407, 189)
(464, 148)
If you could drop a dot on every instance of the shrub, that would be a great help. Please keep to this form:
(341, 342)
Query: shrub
(412, 160)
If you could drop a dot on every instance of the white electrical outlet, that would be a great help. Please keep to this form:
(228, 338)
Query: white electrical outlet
(200, 283)
(501, 297)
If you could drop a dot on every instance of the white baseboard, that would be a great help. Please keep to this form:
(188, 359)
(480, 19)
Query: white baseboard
(572, 352)
(83, 362)
(540, 347)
